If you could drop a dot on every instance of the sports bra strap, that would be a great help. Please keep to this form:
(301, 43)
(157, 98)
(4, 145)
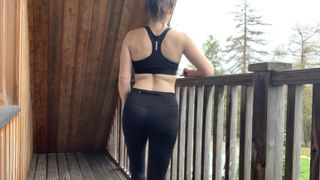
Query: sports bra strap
(156, 40)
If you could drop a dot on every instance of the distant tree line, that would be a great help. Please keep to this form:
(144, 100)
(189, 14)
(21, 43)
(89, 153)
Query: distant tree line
(248, 46)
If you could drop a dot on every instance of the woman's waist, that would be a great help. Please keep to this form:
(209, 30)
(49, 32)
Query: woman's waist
(161, 86)
(152, 98)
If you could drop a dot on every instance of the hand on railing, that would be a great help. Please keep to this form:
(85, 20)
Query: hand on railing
(189, 72)
(194, 73)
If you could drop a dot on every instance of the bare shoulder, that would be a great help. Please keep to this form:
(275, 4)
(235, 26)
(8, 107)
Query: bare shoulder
(178, 36)
(134, 33)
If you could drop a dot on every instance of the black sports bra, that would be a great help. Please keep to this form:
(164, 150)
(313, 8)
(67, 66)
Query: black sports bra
(156, 63)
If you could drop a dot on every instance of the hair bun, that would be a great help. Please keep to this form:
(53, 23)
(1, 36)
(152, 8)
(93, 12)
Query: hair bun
(158, 9)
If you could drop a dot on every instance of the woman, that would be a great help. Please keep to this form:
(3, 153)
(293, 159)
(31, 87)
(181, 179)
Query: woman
(150, 108)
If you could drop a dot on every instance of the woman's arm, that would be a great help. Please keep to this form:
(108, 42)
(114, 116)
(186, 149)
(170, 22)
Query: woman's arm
(124, 77)
(193, 54)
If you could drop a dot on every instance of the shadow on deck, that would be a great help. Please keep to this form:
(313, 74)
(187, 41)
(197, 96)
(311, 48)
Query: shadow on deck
(77, 166)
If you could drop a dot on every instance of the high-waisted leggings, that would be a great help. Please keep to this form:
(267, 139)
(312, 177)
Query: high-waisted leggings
(153, 116)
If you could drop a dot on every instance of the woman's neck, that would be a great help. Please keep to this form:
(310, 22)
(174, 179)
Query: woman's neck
(158, 26)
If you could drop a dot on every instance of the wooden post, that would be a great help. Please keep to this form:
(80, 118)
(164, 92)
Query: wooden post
(268, 122)
(315, 134)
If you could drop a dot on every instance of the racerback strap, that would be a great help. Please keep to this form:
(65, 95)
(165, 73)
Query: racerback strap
(156, 40)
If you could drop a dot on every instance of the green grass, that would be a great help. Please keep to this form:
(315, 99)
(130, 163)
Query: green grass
(304, 163)
(304, 168)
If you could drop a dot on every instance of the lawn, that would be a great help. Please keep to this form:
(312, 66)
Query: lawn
(304, 168)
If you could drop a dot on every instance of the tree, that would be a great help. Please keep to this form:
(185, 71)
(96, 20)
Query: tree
(243, 48)
(211, 50)
(307, 111)
(305, 46)
(279, 53)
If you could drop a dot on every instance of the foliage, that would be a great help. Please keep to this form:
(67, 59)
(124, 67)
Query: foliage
(280, 53)
(211, 50)
(307, 108)
(305, 45)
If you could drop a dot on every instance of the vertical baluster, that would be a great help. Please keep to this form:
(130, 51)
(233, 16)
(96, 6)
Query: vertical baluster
(122, 145)
(198, 134)
(190, 132)
(207, 128)
(174, 159)
(182, 133)
(315, 134)
(275, 133)
(293, 131)
(245, 132)
(231, 136)
(217, 132)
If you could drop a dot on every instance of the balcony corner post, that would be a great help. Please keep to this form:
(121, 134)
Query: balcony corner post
(267, 122)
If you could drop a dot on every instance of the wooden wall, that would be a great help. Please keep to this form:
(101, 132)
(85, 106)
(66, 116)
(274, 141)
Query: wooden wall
(16, 136)
(75, 46)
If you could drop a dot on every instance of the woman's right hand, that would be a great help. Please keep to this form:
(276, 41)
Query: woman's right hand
(185, 72)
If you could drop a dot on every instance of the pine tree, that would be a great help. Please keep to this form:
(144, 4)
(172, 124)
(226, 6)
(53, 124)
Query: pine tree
(212, 50)
(245, 47)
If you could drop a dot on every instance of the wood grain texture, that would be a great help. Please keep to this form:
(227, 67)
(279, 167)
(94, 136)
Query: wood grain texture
(207, 124)
(217, 132)
(182, 133)
(259, 125)
(245, 132)
(293, 132)
(231, 134)
(190, 133)
(15, 134)
(315, 134)
(199, 132)
(88, 165)
(75, 48)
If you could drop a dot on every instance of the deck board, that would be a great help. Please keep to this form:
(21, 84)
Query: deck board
(52, 167)
(41, 169)
(74, 166)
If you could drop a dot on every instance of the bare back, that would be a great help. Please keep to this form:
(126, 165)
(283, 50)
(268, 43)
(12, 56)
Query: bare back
(140, 47)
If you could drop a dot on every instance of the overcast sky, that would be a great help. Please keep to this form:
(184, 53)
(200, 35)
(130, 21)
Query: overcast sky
(201, 18)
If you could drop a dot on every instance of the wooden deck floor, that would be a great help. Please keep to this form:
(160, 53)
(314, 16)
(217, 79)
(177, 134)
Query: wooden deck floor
(74, 166)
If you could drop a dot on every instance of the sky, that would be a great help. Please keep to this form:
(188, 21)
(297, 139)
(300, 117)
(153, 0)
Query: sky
(201, 18)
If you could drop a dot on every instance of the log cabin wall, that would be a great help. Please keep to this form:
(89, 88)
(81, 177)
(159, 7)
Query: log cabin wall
(75, 47)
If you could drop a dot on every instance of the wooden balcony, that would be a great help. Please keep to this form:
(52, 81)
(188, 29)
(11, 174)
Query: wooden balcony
(264, 107)
(60, 115)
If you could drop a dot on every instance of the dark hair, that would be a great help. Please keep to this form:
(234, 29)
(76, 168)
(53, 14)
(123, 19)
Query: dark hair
(158, 9)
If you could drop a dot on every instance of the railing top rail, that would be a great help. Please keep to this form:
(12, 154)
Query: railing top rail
(7, 113)
(238, 79)
(280, 75)
(305, 76)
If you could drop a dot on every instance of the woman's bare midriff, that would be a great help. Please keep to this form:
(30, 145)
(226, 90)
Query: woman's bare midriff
(155, 82)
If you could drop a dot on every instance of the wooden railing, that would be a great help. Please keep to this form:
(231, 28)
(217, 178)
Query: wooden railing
(266, 105)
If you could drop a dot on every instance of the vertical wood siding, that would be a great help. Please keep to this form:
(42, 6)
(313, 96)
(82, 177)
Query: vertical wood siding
(75, 48)
(16, 135)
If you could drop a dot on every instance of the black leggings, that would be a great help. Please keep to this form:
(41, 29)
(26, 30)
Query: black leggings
(151, 115)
